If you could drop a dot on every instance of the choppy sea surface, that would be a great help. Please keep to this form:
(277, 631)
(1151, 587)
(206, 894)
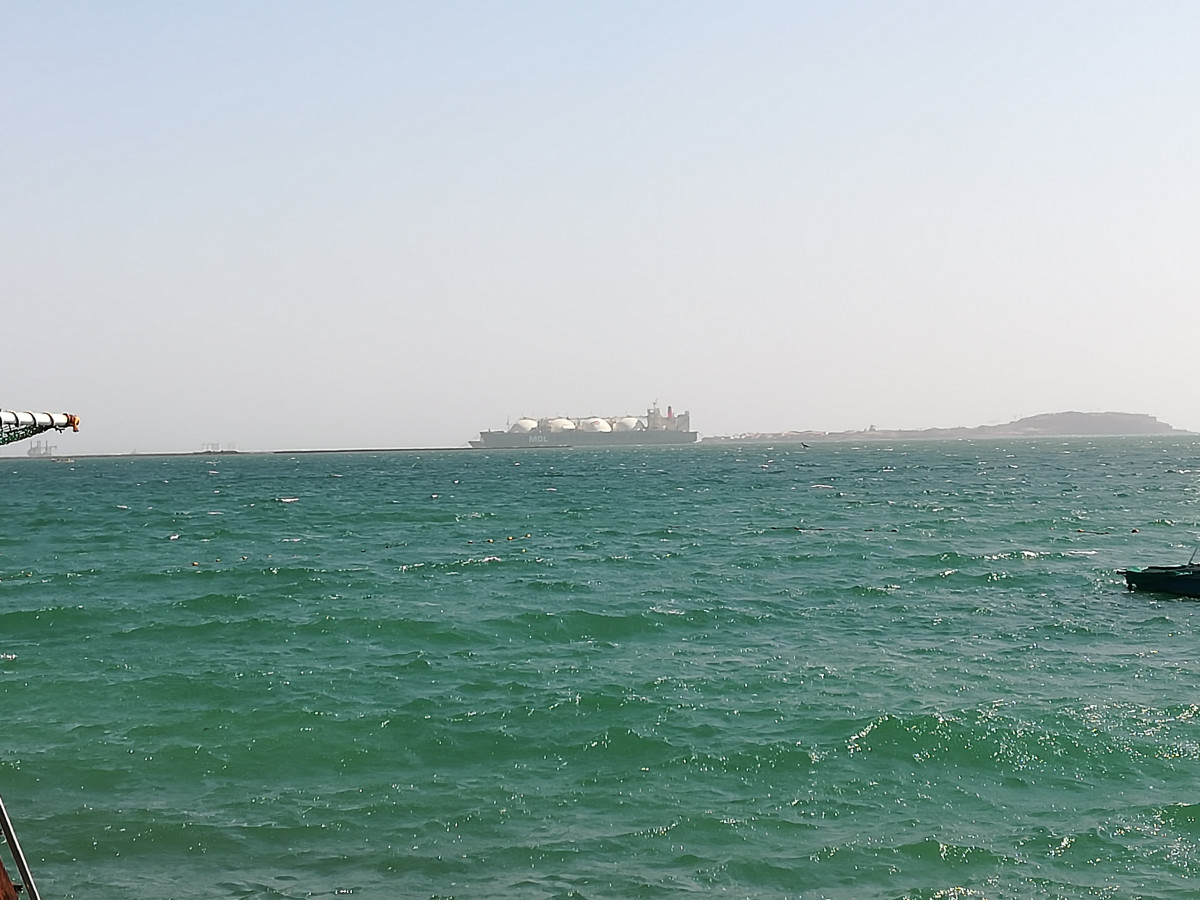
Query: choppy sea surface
(848, 671)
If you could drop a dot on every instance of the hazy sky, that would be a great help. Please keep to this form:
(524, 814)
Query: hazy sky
(377, 224)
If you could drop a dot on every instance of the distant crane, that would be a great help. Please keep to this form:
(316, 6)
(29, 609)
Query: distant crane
(17, 426)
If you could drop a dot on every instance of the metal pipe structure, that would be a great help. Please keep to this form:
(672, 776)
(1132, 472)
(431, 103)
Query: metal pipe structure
(16, 426)
(14, 847)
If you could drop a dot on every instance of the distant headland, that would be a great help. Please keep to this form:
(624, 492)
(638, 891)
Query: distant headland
(1062, 424)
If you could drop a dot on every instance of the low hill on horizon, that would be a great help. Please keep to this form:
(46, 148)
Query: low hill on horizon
(1060, 424)
(1080, 423)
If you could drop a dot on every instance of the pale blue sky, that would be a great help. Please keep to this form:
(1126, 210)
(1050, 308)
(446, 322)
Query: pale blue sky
(285, 225)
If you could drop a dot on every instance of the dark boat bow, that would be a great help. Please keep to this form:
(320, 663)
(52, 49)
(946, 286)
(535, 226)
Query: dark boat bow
(1182, 581)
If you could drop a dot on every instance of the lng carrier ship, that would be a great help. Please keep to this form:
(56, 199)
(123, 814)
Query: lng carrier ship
(652, 429)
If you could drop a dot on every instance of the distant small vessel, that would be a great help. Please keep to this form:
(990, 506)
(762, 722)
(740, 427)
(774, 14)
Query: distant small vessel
(1182, 581)
(593, 431)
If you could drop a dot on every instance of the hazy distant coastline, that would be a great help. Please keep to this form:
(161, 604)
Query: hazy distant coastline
(1061, 424)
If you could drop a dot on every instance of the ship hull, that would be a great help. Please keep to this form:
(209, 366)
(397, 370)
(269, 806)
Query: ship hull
(507, 440)
(1182, 581)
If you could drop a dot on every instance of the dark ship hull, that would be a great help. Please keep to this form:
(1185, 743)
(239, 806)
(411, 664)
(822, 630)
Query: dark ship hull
(506, 440)
(1182, 581)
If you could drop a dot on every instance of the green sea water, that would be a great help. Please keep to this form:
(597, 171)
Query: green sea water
(849, 671)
